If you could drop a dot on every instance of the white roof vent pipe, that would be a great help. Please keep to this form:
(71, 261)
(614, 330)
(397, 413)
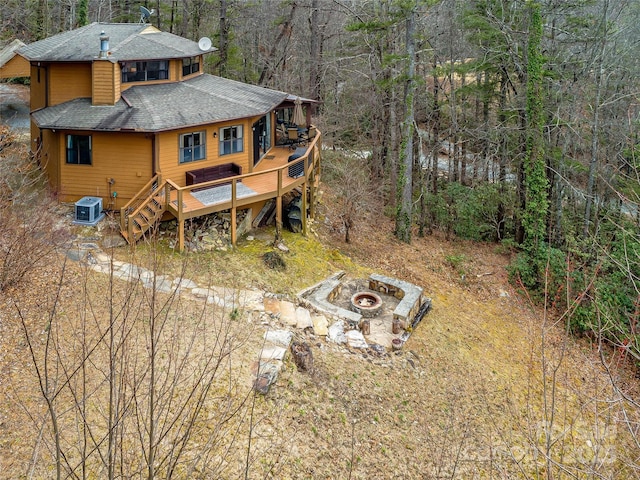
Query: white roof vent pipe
(104, 45)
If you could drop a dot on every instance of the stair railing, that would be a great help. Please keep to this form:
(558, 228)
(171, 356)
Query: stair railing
(138, 200)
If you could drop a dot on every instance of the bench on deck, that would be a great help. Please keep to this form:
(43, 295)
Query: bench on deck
(209, 174)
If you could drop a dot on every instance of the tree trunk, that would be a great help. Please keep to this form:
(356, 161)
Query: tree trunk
(436, 129)
(314, 60)
(405, 184)
(536, 184)
(502, 179)
(595, 126)
(285, 32)
(42, 16)
(392, 150)
(223, 40)
(485, 123)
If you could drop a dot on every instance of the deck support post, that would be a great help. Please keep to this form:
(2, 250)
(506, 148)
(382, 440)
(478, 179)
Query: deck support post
(278, 218)
(312, 199)
(312, 184)
(181, 235)
(234, 216)
(279, 207)
(180, 223)
(303, 208)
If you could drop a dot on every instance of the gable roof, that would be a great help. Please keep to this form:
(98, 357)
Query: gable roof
(8, 52)
(127, 42)
(13, 65)
(202, 100)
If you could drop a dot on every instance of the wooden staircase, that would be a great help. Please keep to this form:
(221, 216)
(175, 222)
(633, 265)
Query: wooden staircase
(143, 211)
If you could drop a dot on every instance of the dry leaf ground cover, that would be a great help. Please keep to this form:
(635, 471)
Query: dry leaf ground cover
(486, 387)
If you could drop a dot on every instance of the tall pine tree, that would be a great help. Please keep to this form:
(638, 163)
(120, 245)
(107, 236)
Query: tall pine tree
(536, 183)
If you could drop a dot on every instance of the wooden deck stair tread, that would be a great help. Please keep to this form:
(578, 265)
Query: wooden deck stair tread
(149, 212)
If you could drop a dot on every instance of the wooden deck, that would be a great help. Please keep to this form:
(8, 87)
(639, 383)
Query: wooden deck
(271, 178)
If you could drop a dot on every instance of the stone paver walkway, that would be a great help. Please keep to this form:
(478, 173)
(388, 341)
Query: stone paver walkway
(317, 315)
(276, 342)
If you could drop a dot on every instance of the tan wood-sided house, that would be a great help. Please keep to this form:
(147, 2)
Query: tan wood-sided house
(13, 65)
(125, 114)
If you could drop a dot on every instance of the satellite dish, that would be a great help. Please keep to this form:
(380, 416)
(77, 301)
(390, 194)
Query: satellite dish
(204, 44)
(145, 13)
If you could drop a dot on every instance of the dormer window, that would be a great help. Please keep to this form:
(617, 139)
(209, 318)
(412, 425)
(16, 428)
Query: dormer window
(145, 71)
(190, 65)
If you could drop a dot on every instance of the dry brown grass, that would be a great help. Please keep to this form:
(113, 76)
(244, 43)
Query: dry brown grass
(464, 399)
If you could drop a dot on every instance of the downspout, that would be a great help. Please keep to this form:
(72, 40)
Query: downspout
(155, 167)
(46, 85)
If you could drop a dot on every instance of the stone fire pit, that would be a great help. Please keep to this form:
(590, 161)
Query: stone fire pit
(380, 311)
(367, 304)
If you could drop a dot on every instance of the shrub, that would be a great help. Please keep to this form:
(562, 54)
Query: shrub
(28, 229)
(472, 212)
(274, 261)
(542, 273)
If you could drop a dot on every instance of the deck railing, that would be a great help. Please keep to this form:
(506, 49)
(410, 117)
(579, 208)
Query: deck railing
(139, 199)
(267, 184)
(278, 178)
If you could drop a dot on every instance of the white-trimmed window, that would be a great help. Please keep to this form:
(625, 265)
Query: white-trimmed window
(79, 149)
(231, 140)
(193, 146)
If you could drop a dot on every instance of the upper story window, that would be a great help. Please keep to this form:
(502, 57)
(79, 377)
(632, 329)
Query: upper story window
(192, 147)
(190, 65)
(79, 149)
(144, 71)
(231, 140)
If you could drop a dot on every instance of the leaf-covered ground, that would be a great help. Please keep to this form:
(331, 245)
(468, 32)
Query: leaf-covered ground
(488, 386)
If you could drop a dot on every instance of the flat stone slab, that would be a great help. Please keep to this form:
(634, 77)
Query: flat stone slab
(215, 300)
(113, 241)
(271, 305)
(184, 283)
(279, 337)
(162, 284)
(288, 313)
(101, 268)
(90, 246)
(273, 353)
(250, 299)
(336, 332)
(303, 318)
(320, 325)
(355, 339)
(76, 254)
(131, 271)
(201, 292)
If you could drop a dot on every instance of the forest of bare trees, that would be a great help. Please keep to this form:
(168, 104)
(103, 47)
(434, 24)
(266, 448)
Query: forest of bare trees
(504, 121)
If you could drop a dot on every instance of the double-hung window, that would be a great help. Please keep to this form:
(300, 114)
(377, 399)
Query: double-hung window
(79, 149)
(192, 146)
(231, 140)
(190, 65)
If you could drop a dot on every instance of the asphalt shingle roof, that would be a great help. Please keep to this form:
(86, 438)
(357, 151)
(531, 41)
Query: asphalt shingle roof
(127, 42)
(8, 52)
(198, 101)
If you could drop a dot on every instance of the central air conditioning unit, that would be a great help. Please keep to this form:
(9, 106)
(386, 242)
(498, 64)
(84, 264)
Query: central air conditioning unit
(88, 211)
